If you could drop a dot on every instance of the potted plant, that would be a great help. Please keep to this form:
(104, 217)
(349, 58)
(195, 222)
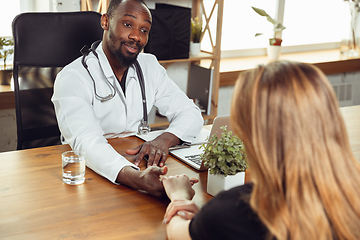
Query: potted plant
(349, 47)
(274, 41)
(6, 49)
(226, 160)
(196, 32)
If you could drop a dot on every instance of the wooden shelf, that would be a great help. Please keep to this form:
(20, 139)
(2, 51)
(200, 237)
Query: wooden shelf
(7, 97)
(329, 61)
(5, 88)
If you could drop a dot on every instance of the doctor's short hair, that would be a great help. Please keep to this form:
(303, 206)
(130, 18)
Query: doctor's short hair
(115, 3)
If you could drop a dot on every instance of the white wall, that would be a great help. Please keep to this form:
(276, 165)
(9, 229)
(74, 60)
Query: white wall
(7, 16)
(35, 5)
(15, 7)
(48, 5)
(65, 5)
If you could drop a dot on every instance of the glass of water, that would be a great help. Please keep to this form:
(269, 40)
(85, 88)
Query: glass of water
(73, 167)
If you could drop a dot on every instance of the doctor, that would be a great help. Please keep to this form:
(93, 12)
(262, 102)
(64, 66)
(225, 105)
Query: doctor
(102, 95)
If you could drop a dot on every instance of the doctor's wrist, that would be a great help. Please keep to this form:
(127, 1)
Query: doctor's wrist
(128, 176)
(170, 139)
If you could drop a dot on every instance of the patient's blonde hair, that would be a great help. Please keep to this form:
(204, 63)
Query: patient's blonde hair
(306, 178)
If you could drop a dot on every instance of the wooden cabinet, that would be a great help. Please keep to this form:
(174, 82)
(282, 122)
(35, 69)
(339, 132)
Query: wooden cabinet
(215, 13)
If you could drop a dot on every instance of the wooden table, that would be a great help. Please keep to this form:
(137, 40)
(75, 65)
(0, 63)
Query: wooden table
(35, 204)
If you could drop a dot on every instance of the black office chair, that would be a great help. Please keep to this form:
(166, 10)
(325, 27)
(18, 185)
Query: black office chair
(43, 44)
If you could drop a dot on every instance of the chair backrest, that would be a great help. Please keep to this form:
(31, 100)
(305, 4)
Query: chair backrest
(43, 44)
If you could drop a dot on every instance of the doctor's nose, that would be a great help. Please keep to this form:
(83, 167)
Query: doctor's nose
(134, 35)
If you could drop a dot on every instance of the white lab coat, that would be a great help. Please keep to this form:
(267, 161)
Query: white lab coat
(85, 122)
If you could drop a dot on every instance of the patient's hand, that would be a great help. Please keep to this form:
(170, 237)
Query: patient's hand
(179, 190)
(186, 209)
(179, 187)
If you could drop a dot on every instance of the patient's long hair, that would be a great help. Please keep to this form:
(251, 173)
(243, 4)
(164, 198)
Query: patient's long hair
(306, 178)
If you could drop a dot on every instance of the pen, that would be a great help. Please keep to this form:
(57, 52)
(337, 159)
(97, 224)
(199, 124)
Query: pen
(179, 147)
(185, 146)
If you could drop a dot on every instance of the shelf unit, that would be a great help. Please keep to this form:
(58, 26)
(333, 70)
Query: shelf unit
(198, 10)
(86, 5)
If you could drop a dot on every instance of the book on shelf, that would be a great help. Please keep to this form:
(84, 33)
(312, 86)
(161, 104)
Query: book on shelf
(200, 87)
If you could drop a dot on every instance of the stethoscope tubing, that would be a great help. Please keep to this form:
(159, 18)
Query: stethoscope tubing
(144, 125)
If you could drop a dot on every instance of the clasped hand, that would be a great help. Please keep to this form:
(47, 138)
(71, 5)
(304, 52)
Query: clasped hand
(149, 180)
(179, 190)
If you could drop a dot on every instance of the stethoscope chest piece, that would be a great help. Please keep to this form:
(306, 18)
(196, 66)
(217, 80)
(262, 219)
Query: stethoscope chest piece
(144, 127)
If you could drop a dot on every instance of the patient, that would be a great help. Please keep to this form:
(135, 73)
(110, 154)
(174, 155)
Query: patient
(305, 178)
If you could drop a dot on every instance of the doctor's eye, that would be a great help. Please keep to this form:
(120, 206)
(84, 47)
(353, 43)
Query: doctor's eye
(127, 24)
(144, 31)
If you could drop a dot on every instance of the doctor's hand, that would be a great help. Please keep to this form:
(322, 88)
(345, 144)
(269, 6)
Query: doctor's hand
(148, 180)
(156, 150)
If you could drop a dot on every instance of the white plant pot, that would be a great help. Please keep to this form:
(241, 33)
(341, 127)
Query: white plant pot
(273, 52)
(218, 182)
(195, 48)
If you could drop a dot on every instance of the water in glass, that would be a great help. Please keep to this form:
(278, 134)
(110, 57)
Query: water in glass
(73, 167)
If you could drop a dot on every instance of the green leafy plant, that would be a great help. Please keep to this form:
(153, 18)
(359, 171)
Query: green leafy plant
(225, 155)
(6, 48)
(196, 30)
(277, 26)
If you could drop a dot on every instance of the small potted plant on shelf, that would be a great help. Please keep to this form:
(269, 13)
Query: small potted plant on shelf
(274, 47)
(226, 160)
(6, 49)
(196, 32)
(350, 47)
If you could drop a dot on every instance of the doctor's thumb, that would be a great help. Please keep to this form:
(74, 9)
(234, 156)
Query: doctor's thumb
(163, 170)
(133, 151)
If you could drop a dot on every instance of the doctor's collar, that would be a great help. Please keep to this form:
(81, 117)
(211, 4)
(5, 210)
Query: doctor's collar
(132, 72)
(105, 65)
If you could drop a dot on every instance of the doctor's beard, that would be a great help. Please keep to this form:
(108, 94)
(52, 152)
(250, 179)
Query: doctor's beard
(125, 61)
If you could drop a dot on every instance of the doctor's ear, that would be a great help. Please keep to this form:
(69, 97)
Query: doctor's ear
(105, 21)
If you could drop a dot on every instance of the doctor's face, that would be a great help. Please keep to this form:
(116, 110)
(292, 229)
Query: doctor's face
(129, 31)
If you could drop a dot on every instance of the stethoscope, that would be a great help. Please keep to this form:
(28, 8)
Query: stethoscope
(144, 124)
